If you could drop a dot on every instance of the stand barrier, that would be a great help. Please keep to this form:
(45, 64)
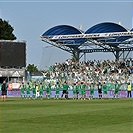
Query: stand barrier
(17, 93)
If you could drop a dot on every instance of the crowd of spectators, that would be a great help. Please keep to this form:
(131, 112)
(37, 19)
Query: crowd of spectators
(92, 71)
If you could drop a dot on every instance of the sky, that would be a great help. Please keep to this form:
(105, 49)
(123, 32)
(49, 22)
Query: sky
(31, 19)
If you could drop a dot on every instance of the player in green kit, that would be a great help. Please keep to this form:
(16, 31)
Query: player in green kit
(34, 90)
(41, 89)
(117, 87)
(28, 91)
(104, 87)
(82, 91)
(74, 88)
(22, 88)
(48, 90)
(57, 90)
(92, 90)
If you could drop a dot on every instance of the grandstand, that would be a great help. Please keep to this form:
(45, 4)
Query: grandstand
(102, 37)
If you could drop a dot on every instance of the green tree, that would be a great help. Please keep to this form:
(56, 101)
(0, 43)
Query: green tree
(31, 68)
(6, 31)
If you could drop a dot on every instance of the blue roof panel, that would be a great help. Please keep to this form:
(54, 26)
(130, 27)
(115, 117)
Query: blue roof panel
(65, 30)
(62, 30)
(106, 27)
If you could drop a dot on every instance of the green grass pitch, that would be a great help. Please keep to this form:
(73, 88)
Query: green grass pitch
(66, 116)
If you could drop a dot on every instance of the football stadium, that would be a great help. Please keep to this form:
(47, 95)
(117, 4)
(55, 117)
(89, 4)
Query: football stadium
(74, 96)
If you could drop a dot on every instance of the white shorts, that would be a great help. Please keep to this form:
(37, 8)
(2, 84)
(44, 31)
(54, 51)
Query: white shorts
(37, 94)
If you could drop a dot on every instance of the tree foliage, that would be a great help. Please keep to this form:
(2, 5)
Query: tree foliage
(6, 31)
(31, 68)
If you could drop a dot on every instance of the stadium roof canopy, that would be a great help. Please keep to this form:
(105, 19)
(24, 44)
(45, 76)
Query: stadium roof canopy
(102, 37)
(65, 30)
(106, 27)
(62, 30)
(109, 27)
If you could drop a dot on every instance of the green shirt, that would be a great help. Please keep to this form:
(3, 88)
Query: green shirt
(117, 86)
(22, 88)
(41, 89)
(48, 88)
(57, 88)
(28, 89)
(77, 87)
(104, 87)
(65, 86)
(82, 87)
(92, 87)
(33, 87)
(74, 88)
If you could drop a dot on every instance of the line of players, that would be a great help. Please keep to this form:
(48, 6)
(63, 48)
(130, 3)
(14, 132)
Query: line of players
(78, 88)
